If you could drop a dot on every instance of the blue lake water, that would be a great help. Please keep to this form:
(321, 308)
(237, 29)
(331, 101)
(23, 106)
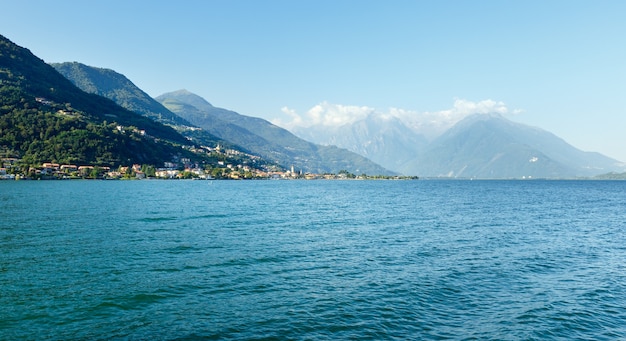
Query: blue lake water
(312, 260)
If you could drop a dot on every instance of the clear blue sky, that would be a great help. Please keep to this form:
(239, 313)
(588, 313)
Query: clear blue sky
(562, 63)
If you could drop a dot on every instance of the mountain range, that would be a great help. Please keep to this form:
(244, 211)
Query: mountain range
(384, 140)
(267, 139)
(116, 87)
(183, 109)
(112, 85)
(45, 118)
(491, 146)
(478, 146)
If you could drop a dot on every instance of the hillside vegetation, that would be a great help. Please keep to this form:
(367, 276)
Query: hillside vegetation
(45, 118)
(116, 87)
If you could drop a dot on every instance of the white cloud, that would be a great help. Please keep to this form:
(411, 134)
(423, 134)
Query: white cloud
(487, 106)
(429, 123)
(295, 118)
(335, 115)
(324, 114)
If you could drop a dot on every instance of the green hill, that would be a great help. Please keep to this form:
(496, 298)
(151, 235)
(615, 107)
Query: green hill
(45, 118)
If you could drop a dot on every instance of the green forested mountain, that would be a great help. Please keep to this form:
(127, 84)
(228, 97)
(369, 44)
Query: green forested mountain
(44, 117)
(265, 139)
(114, 86)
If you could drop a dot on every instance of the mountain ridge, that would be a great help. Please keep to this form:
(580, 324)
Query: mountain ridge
(478, 146)
(528, 151)
(384, 140)
(267, 139)
(115, 86)
(482, 145)
(209, 125)
(46, 118)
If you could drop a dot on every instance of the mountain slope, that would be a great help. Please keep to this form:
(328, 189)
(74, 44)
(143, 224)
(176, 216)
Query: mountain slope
(44, 117)
(384, 140)
(121, 90)
(490, 146)
(481, 145)
(266, 139)
(112, 85)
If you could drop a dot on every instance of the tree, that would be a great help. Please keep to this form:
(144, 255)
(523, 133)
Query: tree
(95, 172)
(216, 173)
(149, 170)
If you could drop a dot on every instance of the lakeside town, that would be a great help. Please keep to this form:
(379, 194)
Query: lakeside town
(12, 169)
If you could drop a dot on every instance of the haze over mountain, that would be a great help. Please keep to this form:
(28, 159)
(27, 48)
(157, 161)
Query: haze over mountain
(455, 143)
(491, 146)
(266, 139)
(384, 140)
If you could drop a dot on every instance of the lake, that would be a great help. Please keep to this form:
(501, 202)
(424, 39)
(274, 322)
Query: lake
(312, 260)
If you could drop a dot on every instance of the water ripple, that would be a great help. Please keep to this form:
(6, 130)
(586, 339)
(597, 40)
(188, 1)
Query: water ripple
(313, 260)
